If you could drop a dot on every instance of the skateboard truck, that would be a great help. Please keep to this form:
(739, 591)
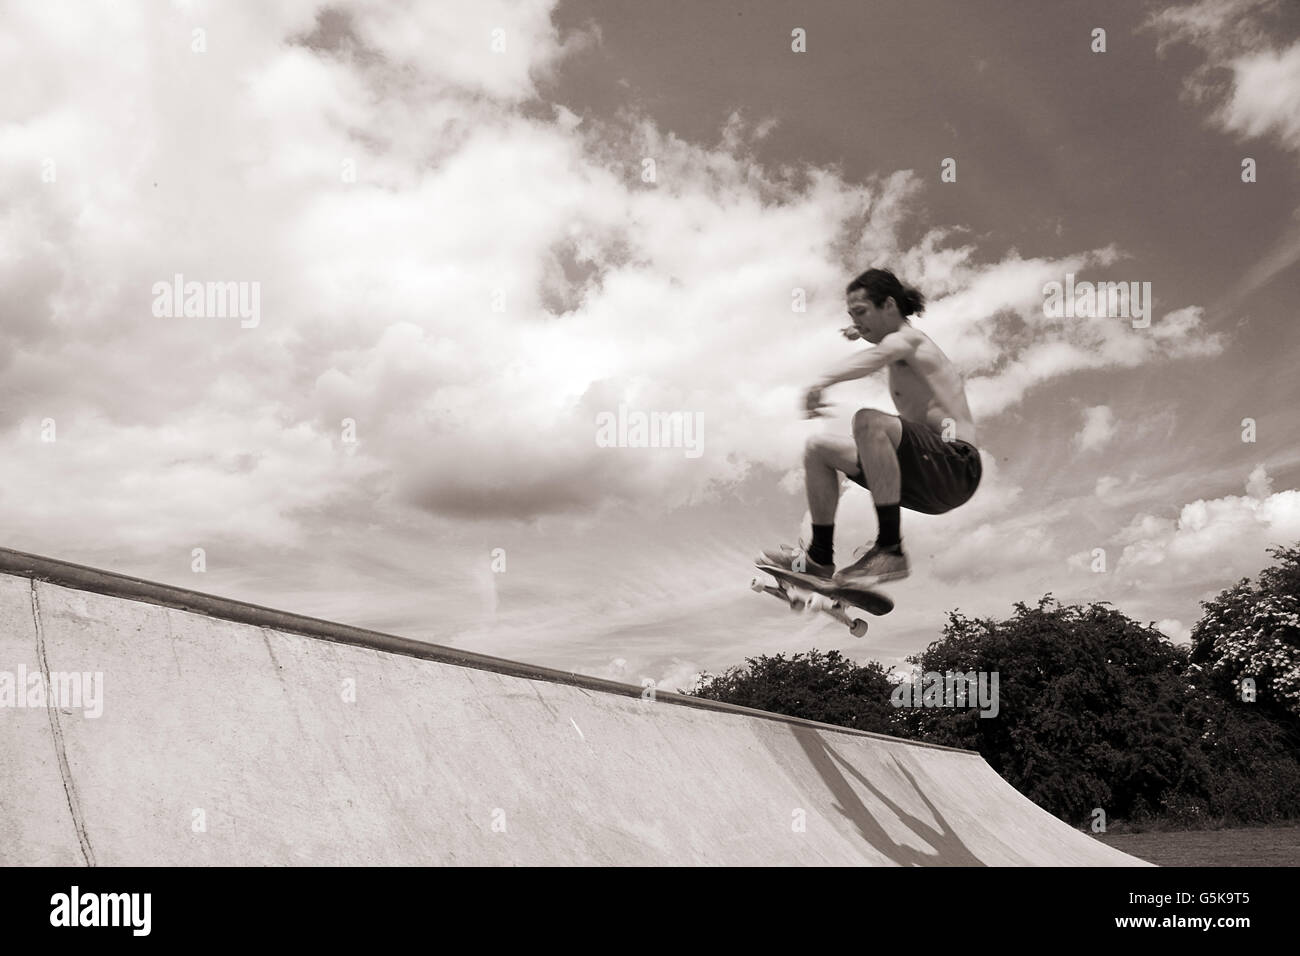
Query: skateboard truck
(806, 593)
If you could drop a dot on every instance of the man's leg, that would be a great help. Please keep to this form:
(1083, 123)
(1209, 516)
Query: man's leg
(824, 456)
(876, 436)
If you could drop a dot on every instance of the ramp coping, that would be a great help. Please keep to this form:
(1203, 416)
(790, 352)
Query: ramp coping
(110, 583)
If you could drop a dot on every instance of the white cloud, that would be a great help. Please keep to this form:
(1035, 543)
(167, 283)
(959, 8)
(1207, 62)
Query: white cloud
(1259, 485)
(679, 675)
(1237, 37)
(494, 277)
(1265, 99)
(1249, 83)
(1098, 428)
(1211, 538)
(1175, 630)
(991, 550)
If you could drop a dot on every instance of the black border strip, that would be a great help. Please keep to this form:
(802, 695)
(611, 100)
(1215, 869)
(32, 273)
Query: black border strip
(82, 578)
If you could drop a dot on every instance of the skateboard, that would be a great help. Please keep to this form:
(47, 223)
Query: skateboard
(807, 592)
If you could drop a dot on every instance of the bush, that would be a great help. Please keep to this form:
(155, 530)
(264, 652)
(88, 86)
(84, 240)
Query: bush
(816, 686)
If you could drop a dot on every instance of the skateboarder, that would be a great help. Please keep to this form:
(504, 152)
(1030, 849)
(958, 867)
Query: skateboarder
(924, 458)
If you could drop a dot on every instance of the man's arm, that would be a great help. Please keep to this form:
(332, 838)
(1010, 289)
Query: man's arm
(892, 348)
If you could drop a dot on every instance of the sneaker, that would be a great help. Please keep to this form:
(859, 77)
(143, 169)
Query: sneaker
(796, 559)
(874, 567)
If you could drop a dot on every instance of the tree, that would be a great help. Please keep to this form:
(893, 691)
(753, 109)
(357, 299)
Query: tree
(1090, 707)
(1254, 632)
(817, 686)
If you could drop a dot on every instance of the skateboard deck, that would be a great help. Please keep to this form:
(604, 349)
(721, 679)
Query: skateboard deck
(824, 595)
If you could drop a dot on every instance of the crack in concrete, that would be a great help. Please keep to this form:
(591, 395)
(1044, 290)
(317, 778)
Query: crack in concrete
(60, 746)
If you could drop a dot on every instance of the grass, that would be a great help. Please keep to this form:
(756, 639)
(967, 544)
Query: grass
(1262, 846)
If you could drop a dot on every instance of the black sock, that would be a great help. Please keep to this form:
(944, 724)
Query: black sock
(887, 537)
(823, 543)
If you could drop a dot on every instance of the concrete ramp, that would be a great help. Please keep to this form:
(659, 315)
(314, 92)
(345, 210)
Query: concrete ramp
(233, 734)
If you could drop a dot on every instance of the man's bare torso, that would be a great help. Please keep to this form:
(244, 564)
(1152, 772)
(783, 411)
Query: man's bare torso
(927, 387)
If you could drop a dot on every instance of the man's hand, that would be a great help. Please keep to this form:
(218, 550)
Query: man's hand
(851, 333)
(813, 404)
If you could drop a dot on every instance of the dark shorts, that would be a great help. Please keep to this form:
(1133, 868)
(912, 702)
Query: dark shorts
(937, 475)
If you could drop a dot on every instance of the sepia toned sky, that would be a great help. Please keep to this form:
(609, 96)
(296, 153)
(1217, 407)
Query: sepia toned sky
(474, 227)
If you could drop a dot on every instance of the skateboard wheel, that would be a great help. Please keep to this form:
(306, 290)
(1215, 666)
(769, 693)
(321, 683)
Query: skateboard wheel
(756, 585)
(858, 628)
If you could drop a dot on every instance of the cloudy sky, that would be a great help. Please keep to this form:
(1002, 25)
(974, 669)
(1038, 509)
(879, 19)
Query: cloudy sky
(475, 227)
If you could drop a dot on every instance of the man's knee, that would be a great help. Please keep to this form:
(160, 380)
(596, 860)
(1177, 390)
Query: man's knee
(816, 449)
(870, 420)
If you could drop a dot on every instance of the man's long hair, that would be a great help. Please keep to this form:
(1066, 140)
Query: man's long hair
(881, 284)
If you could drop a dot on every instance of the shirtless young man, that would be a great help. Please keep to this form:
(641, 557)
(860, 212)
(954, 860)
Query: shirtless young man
(924, 458)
